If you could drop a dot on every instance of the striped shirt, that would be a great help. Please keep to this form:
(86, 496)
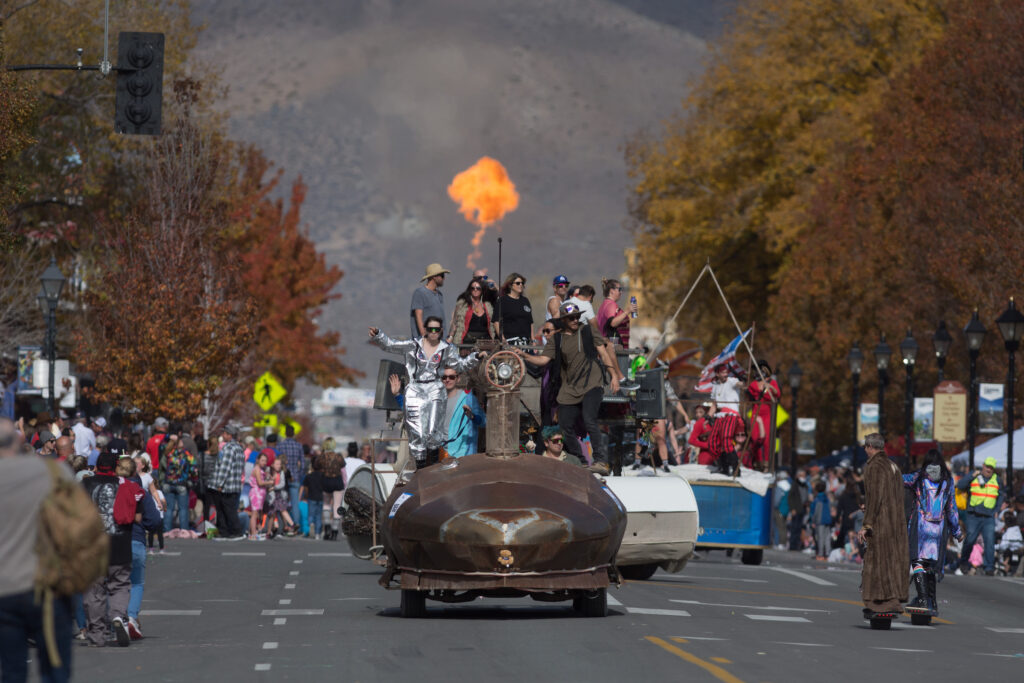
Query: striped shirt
(294, 458)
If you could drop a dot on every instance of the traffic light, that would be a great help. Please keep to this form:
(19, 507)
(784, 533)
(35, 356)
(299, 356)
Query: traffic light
(140, 73)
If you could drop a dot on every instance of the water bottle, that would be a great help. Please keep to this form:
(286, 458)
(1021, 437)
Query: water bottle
(632, 301)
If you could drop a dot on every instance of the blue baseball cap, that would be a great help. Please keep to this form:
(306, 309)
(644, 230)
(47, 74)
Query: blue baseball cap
(560, 280)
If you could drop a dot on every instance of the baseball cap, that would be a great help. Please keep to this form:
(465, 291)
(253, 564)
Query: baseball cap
(160, 422)
(569, 310)
(990, 461)
(231, 429)
(100, 422)
(560, 280)
(45, 436)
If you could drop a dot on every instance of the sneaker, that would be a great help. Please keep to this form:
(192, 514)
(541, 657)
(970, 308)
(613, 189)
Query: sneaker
(628, 385)
(133, 629)
(80, 635)
(958, 572)
(121, 632)
(664, 468)
(239, 537)
(990, 572)
(160, 552)
(601, 468)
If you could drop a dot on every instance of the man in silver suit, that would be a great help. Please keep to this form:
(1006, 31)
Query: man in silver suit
(425, 398)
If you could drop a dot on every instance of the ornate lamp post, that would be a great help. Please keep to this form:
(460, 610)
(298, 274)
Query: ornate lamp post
(975, 333)
(53, 284)
(908, 351)
(941, 341)
(855, 359)
(1011, 326)
(883, 352)
(795, 374)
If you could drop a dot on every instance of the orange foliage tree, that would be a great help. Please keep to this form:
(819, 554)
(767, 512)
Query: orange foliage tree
(922, 223)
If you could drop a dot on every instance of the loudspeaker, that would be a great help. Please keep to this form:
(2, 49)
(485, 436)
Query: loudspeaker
(383, 399)
(650, 397)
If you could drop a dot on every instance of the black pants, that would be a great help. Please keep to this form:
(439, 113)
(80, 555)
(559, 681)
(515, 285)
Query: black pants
(227, 514)
(209, 502)
(588, 407)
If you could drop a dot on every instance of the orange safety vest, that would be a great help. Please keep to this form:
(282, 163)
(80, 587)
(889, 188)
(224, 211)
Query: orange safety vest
(984, 494)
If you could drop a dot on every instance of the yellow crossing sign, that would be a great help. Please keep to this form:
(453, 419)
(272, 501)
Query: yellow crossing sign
(285, 422)
(268, 421)
(268, 391)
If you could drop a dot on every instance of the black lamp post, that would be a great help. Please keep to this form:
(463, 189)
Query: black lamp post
(855, 359)
(941, 341)
(883, 352)
(53, 284)
(1011, 326)
(795, 374)
(975, 333)
(908, 351)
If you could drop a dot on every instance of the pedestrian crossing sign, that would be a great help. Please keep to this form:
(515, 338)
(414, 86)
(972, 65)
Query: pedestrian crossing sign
(268, 391)
(268, 421)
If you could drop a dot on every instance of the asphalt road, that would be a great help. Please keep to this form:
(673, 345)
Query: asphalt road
(295, 609)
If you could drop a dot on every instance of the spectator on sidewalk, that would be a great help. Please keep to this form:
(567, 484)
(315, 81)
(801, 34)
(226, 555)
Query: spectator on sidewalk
(312, 492)
(227, 484)
(984, 500)
(295, 461)
(160, 426)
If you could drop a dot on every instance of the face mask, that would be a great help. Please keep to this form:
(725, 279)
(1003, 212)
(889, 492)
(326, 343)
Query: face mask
(934, 472)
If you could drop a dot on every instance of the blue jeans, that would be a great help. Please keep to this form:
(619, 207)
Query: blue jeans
(316, 516)
(138, 578)
(176, 495)
(78, 607)
(293, 499)
(20, 619)
(986, 525)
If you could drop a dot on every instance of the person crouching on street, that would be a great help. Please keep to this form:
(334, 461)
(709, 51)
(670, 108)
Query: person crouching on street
(425, 397)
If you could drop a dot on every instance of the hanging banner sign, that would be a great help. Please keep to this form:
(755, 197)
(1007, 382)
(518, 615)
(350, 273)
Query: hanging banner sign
(990, 408)
(27, 357)
(950, 412)
(924, 418)
(867, 422)
(805, 429)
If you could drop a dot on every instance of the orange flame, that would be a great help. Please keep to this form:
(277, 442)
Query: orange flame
(484, 194)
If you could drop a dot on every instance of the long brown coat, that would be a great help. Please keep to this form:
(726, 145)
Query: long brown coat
(885, 580)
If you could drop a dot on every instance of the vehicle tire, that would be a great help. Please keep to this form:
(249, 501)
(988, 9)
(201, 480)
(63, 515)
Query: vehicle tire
(593, 604)
(752, 556)
(414, 604)
(638, 572)
(921, 619)
(881, 624)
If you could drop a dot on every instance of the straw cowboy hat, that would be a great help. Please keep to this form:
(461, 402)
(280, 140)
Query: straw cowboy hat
(434, 269)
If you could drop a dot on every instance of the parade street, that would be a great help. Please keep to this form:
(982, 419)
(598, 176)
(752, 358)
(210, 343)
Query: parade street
(300, 610)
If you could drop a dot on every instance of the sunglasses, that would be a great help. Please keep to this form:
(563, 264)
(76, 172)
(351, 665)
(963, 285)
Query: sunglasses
(519, 282)
(449, 376)
(433, 329)
(557, 439)
(476, 288)
(560, 286)
(547, 330)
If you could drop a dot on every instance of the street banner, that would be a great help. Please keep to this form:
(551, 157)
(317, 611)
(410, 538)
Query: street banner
(868, 420)
(805, 428)
(950, 412)
(27, 356)
(990, 408)
(924, 418)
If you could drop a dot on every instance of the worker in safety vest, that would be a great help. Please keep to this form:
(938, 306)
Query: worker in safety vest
(984, 498)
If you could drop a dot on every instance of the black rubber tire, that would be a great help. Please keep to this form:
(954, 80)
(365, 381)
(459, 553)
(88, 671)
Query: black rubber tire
(752, 556)
(881, 624)
(414, 604)
(638, 572)
(594, 604)
(921, 619)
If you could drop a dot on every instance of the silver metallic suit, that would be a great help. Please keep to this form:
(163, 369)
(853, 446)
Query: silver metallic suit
(425, 396)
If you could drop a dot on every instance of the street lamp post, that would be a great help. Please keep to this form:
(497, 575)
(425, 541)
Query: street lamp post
(855, 359)
(53, 284)
(1011, 326)
(883, 352)
(908, 351)
(975, 333)
(795, 375)
(941, 342)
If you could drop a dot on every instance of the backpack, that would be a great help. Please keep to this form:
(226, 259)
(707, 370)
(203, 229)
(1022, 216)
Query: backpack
(176, 469)
(72, 547)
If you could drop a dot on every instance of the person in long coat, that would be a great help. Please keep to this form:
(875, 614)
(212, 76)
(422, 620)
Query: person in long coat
(885, 580)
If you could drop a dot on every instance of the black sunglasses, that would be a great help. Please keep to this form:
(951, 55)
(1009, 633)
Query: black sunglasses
(557, 439)
(449, 376)
(433, 329)
(519, 282)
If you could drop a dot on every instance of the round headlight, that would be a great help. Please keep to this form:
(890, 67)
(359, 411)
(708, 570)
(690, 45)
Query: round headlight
(505, 371)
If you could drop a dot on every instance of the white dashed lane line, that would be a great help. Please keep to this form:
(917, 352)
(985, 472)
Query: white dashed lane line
(270, 646)
(782, 642)
(293, 573)
(284, 601)
(900, 649)
(296, 561)
(756, 607)
(170, 612)
(329, 554)
(652, 612)
(289, 586)
(1005, 630)
(243, 554)
(776, 617)
(292, 613)
(262, 667)
(803, 575)
(280, 621)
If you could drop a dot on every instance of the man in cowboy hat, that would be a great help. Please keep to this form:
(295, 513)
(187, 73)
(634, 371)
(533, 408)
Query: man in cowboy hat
(427, 300)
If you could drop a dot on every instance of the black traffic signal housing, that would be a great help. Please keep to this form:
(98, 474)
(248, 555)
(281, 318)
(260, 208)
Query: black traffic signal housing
(140, 74)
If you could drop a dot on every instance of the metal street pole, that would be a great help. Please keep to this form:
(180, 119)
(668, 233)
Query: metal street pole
(51, 353)
(1009, 429)
(1011, 326)
(856, 406)
(883, 352)
(975, 333)
(908, 351)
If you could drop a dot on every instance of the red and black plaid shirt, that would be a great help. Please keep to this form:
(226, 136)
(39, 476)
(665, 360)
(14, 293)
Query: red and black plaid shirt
(723, 433)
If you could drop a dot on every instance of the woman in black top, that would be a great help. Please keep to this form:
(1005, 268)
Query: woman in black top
(514, 312)
(473, 315)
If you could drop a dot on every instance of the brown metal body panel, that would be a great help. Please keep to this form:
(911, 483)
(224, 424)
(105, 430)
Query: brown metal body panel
(483, 522)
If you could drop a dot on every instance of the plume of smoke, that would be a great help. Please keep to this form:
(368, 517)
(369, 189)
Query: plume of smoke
(485, 194)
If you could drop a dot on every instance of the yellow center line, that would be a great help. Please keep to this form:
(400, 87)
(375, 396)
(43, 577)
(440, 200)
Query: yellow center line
(715, 670)
(720, 660)
(716, 589)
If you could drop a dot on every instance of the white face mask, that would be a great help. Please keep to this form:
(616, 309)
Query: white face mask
(934, 472)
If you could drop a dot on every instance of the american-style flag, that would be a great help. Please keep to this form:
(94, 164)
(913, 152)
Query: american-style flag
(727, 356)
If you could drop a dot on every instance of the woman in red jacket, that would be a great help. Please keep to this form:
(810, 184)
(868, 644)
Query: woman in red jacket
(699, 432)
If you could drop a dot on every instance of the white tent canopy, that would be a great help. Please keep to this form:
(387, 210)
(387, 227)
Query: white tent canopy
(996, 448)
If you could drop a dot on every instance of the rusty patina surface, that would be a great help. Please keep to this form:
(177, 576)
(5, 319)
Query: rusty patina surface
(523, 522)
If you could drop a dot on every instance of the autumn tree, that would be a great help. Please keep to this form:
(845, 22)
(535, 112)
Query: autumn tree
(921, 223)
(788, 88)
